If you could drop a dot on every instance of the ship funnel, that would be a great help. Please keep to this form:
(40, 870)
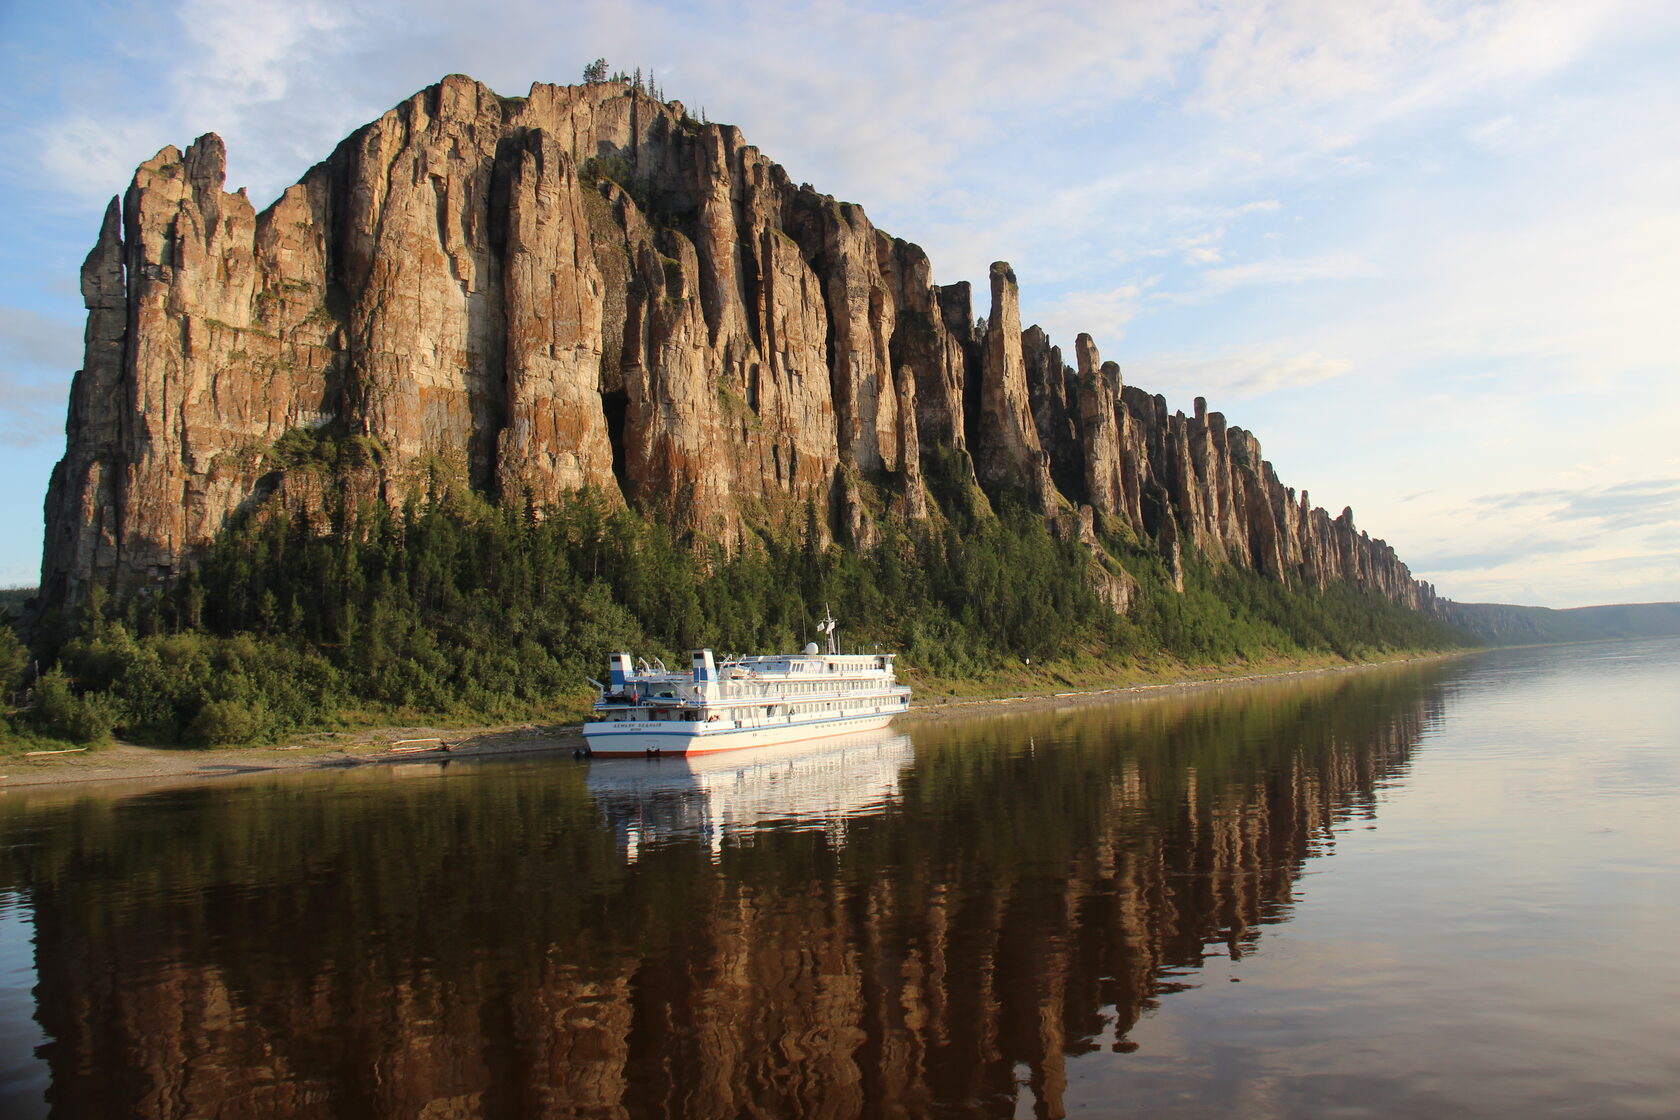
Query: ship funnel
(619, 671)
(705, 669)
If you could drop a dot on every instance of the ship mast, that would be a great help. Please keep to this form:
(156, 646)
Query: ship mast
(826, 626)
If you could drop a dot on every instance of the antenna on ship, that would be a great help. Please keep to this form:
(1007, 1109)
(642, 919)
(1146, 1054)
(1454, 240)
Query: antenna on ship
(826, 626)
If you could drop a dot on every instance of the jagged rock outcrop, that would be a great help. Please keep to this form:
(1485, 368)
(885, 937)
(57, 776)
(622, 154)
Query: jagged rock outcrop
(1053, 389)
(587, 288)
(1014, 458)
(554, 438)
(923, 343)
(1103, 428)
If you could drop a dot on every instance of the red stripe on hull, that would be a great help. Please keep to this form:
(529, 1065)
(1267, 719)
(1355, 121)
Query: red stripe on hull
(601, 747)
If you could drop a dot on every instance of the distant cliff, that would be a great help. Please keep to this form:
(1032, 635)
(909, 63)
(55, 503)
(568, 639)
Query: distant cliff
(1499, 624)
(586, 287)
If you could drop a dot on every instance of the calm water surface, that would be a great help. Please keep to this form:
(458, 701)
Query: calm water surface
(1442, 890)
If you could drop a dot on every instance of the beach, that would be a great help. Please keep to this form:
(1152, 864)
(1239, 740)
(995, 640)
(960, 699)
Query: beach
(395, 746)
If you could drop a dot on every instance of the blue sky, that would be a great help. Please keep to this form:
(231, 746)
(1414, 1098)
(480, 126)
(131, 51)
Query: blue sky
(1428, 252)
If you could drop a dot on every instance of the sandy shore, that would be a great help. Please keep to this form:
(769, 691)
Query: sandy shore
(392, 746)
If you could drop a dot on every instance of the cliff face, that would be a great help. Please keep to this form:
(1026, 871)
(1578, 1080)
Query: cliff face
(587, 288)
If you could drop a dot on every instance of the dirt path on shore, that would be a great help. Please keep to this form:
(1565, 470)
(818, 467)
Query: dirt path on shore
(389, 746)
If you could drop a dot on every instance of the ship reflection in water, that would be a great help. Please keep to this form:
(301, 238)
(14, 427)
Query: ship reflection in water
(1020, 914)
(727, 797)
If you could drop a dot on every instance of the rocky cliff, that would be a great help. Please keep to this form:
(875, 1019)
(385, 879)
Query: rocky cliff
(585, 287)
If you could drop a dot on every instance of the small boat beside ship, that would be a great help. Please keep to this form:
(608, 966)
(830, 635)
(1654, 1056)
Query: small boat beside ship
(742, 702)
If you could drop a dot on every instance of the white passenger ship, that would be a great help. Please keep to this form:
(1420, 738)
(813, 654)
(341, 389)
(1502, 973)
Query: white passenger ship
(747, 702)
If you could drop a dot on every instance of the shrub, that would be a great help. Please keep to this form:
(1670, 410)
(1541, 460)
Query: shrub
(62, 714)
(14, 659)
(225, 723)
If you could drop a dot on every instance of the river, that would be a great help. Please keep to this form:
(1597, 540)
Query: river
(1440, 889)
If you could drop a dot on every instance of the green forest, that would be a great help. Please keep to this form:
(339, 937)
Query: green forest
(455, 609)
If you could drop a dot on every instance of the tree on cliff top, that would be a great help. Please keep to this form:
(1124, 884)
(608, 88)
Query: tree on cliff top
(595, 72)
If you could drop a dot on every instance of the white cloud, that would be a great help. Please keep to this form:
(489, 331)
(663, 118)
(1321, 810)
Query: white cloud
(28, 338)
(32, 414)
(1292, 51)
(1283, 271)
(228, 66)
(88, 156)
(1101, 314)
(1237, 371)
(1204, 248)
(1639, 504)
(1495, 133)
(248, 47)
(37, 357)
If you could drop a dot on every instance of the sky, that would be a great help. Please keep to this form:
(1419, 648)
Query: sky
(1428, 252)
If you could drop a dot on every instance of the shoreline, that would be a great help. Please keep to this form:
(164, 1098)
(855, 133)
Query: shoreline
(130, 764)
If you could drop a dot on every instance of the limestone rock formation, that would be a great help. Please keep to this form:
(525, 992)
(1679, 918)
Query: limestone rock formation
(1100, 421)
(587, 288)
(1014, 458)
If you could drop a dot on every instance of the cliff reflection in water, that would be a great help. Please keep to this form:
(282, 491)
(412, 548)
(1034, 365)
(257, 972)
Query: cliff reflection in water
(481, 943)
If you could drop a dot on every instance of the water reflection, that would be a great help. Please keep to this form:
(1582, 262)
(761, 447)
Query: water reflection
(728, 797)
(887, 932)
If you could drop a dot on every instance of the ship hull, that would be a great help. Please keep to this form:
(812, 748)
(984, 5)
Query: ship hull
(607, 739)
